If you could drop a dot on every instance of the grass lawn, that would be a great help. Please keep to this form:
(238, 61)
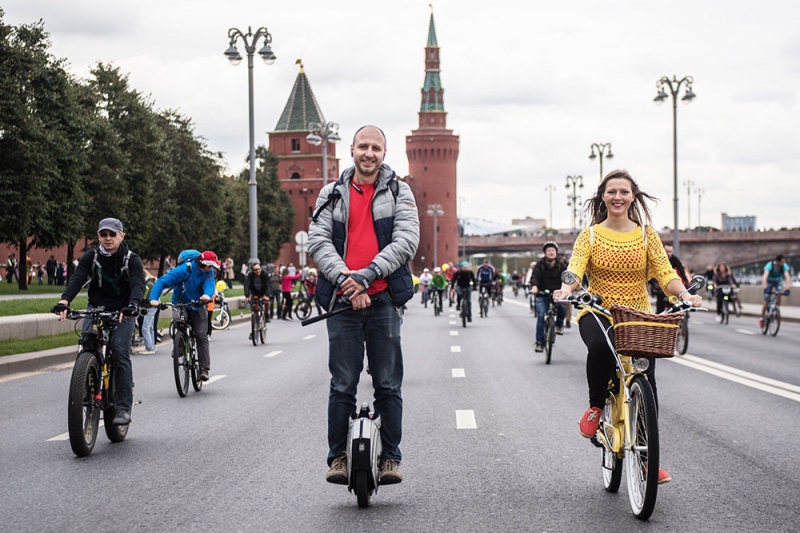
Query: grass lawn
(34, 288)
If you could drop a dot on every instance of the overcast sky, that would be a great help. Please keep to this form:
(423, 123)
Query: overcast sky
(529, 86)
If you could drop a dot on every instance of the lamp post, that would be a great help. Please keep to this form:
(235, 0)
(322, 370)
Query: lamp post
(435, 211)
(674, 87)
(601, 147)
(700, 193)
(550, 189)
(249, 39)
(689, 184)
(576, 182)
(322, 134)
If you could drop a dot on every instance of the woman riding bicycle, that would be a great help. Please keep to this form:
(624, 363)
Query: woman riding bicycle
(722, 276)
(619, 253)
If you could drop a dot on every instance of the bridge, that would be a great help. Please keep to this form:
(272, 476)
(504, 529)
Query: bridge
(697, 250)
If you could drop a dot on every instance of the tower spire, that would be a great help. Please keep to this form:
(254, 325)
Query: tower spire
(432, 92)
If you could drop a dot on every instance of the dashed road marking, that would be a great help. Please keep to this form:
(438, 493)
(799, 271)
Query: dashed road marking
(212, 379)
(455, 349)
(273, 354)
(459, 373)
(307, 337)
(453, 333)
(453, 323)
(745, 331)
(465, 419)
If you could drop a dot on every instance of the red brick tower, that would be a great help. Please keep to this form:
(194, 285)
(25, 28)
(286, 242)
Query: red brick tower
(432, 152)
(300, 164)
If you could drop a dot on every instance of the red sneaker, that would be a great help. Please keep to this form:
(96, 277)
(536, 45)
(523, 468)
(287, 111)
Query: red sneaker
(663, 476)
(590, 421)
(761, 322)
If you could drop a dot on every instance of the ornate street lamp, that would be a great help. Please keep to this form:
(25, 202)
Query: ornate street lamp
(249, 39)
(550, 189)
(674, 86)
(601, 148)
(322, 134)
(435, 211)
(576, 182)
(689, 184)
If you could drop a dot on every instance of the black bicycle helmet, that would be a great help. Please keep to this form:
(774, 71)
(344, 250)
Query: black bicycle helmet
(549, 244)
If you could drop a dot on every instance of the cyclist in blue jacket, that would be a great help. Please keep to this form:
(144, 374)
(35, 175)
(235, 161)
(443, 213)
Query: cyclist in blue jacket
(192, 280)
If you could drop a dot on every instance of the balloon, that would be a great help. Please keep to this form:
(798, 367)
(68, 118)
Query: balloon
(445, 266)
(221, 286)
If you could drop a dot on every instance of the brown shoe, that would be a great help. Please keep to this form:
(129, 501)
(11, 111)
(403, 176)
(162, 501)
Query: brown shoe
(390, 472)
(337, 473)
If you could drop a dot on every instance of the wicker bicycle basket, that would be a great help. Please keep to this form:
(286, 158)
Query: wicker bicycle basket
(645, 334)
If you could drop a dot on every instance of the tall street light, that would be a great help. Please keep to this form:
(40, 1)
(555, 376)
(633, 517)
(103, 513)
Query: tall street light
(601, 148)
(689, 184)
(249, 39)
(550, 189)
(435, 211)
(674, 87)
(700, 193)
(576, 182)
(322, 134)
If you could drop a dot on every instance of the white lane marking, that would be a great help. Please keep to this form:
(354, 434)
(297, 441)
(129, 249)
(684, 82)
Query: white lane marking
(745, 331)
(772, 386)
(307, 337)
(273, 354)
(465, 419)
(452, 323)
(212, 379)
(453, 333)
(452, 315)
(65, 436)
(459, 373)
(455, 349)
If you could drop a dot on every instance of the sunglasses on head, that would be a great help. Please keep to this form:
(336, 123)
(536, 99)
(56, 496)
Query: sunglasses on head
(105, 234)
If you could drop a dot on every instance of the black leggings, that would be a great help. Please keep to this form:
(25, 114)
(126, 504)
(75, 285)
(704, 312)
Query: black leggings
(600, 362)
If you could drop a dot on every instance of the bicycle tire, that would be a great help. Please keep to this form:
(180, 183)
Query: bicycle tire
(549, 337)
(436, 310)
(262, 330)
(114, 432)
(737, 307)
(180, 364)
(683, 336)
(172, 330)
(254, 328)
(463, 315)
(195, 366)
(83, 416)
(774, 321)
(221, 318)
(611, 462)
(642, 460)
(303, 309)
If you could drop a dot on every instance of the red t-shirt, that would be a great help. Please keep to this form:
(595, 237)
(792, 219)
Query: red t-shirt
(362, 241)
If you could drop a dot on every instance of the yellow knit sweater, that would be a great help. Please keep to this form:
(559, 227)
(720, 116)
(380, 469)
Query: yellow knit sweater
(618, 265)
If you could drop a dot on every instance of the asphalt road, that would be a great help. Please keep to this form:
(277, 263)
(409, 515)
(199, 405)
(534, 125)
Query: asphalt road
(248, 452)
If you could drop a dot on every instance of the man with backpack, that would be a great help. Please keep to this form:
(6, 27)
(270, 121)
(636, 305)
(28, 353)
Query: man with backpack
(776, 276)
(192, 279)
(485, 277)
(117, 284)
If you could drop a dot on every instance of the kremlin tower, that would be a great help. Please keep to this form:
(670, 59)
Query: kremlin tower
(432, 152)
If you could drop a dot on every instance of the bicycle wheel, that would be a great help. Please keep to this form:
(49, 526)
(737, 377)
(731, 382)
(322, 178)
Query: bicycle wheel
(612, 464)
(254, 328)
(774, 321)
(436, 310)
(180, 364)
(550, 338)
(262, 330)
(83, 414)
(643, 456)
(194, 366)
(221, 318)
(172, 330)
(362, 488)
(463, 314)
(737, 307)
(114, 432)
(683, 336)
(303, 309)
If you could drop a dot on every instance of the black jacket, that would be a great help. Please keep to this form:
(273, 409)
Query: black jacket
(463, 278)
(250, 281)
(547, 277)
(111, 287)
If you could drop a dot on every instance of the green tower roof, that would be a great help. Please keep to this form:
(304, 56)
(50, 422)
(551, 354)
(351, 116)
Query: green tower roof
(432, 93)
(432, 32)
(301, 108)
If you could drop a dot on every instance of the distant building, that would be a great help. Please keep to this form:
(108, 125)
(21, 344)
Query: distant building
(530, 226)
(738, 223)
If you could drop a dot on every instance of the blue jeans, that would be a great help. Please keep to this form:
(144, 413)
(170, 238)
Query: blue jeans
(542, 305)
(377, 327)
(148, 329)
(121, 361)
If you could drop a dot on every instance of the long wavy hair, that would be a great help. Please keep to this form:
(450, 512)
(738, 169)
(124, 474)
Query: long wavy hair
(638, 210)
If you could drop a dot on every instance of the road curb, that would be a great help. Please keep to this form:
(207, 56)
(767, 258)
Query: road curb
(37, 361)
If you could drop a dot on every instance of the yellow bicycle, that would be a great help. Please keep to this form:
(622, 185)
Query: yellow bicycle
(628, 429)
